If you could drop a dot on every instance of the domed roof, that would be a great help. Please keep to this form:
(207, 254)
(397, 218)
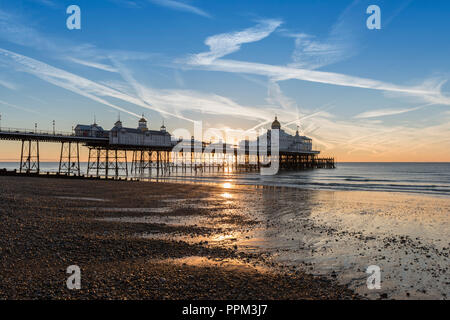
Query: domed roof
(276, 124)
(142, 119)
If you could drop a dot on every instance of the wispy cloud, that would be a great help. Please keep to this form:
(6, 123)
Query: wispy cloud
(127, 3)
(8, 84)
(180, 6)
(276, 97)
(12, 30)
(16, 29)
(64, 79)
(168, 102)
(224, 44)
(175, 102)
(14, 106)
(312, 54)
(92, 64)
(280, 73)
(388, 112)
(48, 3)
(342, 42)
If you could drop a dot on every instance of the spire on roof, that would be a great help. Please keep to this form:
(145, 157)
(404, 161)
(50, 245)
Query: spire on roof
(276, 124)
(142, 124)
(118, 123)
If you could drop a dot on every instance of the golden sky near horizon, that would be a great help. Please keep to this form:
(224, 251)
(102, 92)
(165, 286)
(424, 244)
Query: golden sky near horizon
(371, 149)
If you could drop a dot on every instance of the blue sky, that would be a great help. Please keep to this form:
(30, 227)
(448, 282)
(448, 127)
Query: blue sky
(373, 95)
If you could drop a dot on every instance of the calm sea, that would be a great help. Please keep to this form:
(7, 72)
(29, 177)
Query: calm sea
(424, 178)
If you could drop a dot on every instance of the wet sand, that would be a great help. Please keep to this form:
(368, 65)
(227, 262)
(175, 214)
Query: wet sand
(167, 241)
(339, 234)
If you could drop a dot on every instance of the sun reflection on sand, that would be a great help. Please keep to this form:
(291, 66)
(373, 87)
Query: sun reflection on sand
(227, 185)
(223, 237)
(226, 195)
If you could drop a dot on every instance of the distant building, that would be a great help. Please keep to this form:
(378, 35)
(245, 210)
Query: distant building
(92, 130)
(287, 142)
(141, 136)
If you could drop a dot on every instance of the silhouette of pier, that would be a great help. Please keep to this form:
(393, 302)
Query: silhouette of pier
(106, 159)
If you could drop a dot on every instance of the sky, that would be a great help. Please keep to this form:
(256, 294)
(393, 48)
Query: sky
(360, 94)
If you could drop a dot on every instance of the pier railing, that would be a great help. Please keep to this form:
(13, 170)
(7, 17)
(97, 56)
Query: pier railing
(40, 132)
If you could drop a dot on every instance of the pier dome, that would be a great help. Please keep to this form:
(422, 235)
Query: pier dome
(143, 124)
(276, 124)
(143, 120)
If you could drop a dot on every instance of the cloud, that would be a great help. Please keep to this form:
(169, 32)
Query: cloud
(180, 6)
(47, 3)
(223, 44)
(13, 31)
(342, 42)
(312, 54)
(66, 80)
(95, 65)
(18, 107)
(8, 84)
(179, 78)
(280, 73)
(388, 112)
(165, 101)
(127, 3)
(176, 101)
(276, 97)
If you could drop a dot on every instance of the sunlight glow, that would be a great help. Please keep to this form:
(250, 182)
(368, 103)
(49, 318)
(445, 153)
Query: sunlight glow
(227, 195)
(227, 185)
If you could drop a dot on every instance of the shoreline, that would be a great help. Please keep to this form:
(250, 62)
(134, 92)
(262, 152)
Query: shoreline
(47, 233)
(178, 180)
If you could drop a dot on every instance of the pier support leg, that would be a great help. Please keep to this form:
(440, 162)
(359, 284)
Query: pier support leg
(29, 156)
(69, 160)
(121, 162)
(142, 160)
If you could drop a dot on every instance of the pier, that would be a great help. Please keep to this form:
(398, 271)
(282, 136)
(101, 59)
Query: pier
(109, 153)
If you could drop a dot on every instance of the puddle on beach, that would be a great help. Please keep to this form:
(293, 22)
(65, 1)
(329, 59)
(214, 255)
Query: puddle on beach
(337, 234)
(176, 200)
(228, 263)
(132, 210)
(214, 239)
